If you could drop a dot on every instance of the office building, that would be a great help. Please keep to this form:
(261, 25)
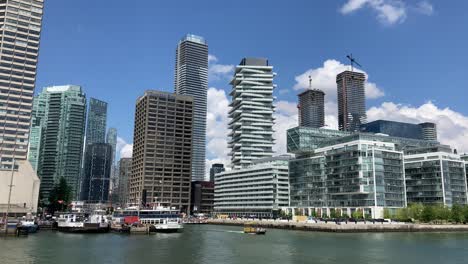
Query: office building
(96, 123)
(191, 78)
(216, 168)
(435, 176)
(125, 170)
(202, 200)
(58, 126)
(162, 150)
(96, 174)
(19, 49)
(339, 172)
(260, 190)
(351, 100)
(251, 113)
(111, 139)
(311, 108)
(425, 131)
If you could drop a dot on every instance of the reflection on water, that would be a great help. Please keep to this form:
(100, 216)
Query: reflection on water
(224, 244)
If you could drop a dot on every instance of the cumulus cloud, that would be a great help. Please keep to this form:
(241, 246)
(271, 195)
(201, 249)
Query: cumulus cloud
(217, 123)
(286, 117)
(217, 71)
(389, 12)
(123, 148)
(324, 78)
(452, 126)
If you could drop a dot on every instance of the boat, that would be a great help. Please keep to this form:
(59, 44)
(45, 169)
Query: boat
(29, 225)
(252, 229)
(157, 218)
(96, 222)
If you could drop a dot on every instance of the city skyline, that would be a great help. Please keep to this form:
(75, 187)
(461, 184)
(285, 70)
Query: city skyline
(389, 97)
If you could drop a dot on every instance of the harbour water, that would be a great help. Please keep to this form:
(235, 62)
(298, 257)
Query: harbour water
(228, 245)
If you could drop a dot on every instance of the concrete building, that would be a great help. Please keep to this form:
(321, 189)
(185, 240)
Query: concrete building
(251, 112)
(216, 168)
(311, 107)
(435, 176)
(96, 122)
(19, 49)
(351, 100)
(191, 78)
(260, 190)
(96, 174)
(59, 122)
(24, 192)
(125, 171)
(162, 150)
(202, 199)
(424, 131)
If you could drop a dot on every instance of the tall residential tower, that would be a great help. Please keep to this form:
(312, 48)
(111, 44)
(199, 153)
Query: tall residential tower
(96, 123)
(251, 112)
(351, 100)
(191, 78)
(311, 107)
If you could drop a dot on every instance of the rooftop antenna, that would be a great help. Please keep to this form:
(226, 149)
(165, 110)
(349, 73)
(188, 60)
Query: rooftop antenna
(310, 82)
(353, 61)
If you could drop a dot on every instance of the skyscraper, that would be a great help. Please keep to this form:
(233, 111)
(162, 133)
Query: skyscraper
(191, 78)
(125, 170)
(216, 168)
(19, 49)
(429, 131)
(162, 150)
(111, 139)
(96, 176)
(351, 100)
(96, 124)
(251, 112)
(58, 129)
(312, 107)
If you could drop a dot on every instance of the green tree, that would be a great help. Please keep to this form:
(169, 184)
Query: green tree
(415, 210)
(357, 214)
(60, 196)
(441, 212)
(402, 214)
(456, 214)
(428, 214)
(386, 213)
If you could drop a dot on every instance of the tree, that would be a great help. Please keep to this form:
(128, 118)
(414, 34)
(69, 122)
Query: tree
(60, 196)
(402, 214)
(456, 214)
(415, 210)
(428, 214)
(357, 214)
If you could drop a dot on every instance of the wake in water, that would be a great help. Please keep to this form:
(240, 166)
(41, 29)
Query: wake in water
(225, 231)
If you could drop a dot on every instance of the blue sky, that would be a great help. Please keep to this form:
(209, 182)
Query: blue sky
(413, 51)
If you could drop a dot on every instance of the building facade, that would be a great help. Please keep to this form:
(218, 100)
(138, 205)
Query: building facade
(191, 78)
(312, 108)
(59, 122)
(400, 129)
(96, 123)
(111, 139)
(251, 113)
(96, 174)
(351, 100)
(216, 168)
(202, 197)
(260, 190)
(125, 171)
(19, 49)
(435, 176)
(162, 150)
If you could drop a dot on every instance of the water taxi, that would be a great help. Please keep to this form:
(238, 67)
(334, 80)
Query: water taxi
(250, 228)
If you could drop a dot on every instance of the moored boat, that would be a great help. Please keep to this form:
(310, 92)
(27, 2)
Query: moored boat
(82, 223)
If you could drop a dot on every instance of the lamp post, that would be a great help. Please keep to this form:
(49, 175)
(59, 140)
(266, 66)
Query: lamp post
(9, 196)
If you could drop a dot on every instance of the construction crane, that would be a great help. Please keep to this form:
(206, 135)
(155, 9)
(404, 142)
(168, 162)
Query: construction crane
(353, 61)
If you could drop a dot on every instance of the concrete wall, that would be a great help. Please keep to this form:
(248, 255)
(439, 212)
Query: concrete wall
(25, 189)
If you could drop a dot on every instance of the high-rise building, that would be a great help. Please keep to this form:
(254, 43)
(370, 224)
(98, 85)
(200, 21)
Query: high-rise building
(111, 139)
(96, 123)
(251, 112)
(202, 200)
(96, 174)
(19, 49)
(351, 100)
(58, 128)
(162, 150)
(311, 107)
(216, 168)
(125, 170)
(425, 131)
(191, 78)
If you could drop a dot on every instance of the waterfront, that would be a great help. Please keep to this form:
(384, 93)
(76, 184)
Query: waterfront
(226, 244)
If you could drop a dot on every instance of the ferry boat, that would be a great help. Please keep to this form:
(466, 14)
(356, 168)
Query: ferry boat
(82, 223)
(163, 219)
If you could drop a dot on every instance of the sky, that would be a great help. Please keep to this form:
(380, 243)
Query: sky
(413, 52)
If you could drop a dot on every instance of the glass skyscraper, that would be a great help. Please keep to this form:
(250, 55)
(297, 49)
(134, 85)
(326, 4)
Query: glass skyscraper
(191, 78)
(96, 123)
(96, 180)
(20, 32)
(58, 126)
(351, 100)
(312, 108)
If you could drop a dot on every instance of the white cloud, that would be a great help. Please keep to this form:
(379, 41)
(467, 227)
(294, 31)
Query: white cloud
(217, 124)
(324, 78)
(425, 8)
(123, 148)
(212, 58)
(286, 117)
(389, 12)
(217, 71)
(452, 126)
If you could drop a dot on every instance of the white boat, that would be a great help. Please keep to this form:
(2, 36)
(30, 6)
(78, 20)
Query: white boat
(82, 223)
(159, 218)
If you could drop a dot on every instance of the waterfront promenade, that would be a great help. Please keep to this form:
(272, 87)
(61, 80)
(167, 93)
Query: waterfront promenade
(342, 227)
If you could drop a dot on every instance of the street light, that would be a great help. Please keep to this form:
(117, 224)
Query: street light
(9, 196)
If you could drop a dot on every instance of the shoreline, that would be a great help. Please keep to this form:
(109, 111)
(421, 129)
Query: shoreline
(351, 227)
